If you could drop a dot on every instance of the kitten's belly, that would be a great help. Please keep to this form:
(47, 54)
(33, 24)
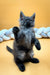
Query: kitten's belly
(24, 56)
(26, 42)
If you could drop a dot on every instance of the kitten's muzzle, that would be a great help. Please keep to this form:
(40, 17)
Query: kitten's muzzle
(28, 25)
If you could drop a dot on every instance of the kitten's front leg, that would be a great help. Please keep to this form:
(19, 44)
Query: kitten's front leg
(18, 37)
(37, 43)
(15, 31)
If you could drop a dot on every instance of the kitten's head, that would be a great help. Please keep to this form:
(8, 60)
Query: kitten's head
(26, 21)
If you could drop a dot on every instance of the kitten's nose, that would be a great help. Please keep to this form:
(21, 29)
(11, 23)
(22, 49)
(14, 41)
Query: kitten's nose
(28, 23)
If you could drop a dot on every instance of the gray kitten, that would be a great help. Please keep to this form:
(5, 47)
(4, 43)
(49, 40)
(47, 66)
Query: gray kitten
(24, 41)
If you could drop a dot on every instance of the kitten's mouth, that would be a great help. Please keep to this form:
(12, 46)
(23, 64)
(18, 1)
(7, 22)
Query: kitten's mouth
(29, 26)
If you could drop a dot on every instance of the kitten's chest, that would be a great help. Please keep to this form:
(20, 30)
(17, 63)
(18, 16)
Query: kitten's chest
(29, 34)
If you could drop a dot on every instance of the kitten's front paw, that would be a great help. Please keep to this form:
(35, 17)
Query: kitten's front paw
(15, 29)
(37, 44)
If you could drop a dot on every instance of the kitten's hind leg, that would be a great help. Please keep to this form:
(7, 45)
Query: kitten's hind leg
(34, 60)
(20, 65)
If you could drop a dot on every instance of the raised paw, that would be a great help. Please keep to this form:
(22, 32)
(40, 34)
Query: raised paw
(34, 60)
(15, 30)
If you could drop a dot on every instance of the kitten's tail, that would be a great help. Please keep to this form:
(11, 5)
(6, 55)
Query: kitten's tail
(9, 49)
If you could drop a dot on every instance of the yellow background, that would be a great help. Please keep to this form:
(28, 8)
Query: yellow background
(10, 10)
(9, 15)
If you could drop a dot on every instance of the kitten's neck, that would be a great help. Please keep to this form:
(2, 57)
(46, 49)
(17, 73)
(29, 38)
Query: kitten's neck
(22, 27)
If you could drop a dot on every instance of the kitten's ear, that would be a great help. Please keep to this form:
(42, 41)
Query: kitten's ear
(21, 15)
(33, 16)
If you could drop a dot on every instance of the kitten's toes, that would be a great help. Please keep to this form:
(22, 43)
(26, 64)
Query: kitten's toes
(22, 67)
(34, 60)
(15, 29)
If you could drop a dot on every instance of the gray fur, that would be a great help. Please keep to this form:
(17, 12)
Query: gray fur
(24, 38)
(21, 53)
(29, 33)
